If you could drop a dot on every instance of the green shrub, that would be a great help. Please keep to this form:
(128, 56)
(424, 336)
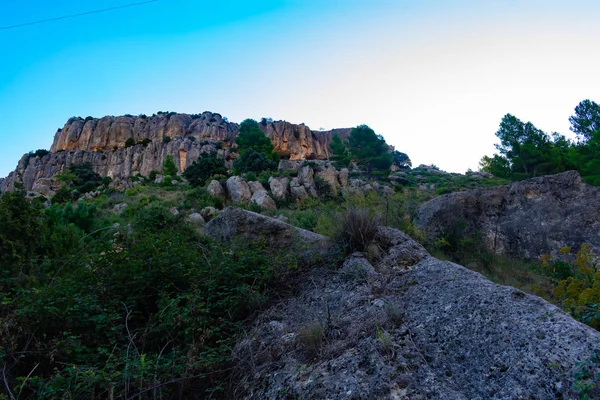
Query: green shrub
(253, 161)
(207, 165)
(324, 189)
(166, 139)
(169, 167)
(129, 142)
(62, 195)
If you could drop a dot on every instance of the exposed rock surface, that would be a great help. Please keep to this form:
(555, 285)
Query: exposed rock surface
(525, 219)
(262, 199)
(102, 142)
(121, 163)
(429, 329)
(238, 189)
(279, 186)
(296, 142)
(215, 188)
(233, 222)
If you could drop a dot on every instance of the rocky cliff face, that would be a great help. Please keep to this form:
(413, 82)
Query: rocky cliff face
(526, 219)
(296, 142)
(120, 163)
(102, 143)
(110, 133)
(404, 325)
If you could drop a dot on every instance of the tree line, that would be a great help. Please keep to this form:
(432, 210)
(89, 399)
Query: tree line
(525, 151)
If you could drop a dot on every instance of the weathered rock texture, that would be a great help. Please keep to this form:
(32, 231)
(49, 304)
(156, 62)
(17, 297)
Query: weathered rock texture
(428, 330)
(525, 219)
(296, 142)
(102, 142)
(233, 222)
(120, 163)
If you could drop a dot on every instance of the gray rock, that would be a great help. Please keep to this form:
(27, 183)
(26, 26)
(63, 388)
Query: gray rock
(329, 175)
(298, 191)
(435, 330)
(238, 189)
(282, 218)
(234, 222)
(262, 199)
(255, 186)
(357, 268)
(174, 211)
(196, 218)
(119, 207)
(215, 188)
(279, 186)
(525, 219)
(306, 176)
(159, 179)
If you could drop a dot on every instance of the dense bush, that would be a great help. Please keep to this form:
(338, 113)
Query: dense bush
(169, 167)
(129, 142)
(578, 283)
(205, 166)
(77, 179)
(149, 311)
(253, 161)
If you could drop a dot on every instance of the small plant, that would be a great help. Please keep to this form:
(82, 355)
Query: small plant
(169, 167)
(356, 230)
(311, 337)
(166, 139)
(129, 142)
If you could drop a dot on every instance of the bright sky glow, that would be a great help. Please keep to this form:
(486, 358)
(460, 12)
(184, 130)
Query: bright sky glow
(434, 77)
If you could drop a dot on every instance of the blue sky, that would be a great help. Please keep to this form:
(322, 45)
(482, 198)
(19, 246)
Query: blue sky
(434, 77)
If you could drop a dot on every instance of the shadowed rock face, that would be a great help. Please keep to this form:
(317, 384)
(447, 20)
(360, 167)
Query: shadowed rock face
(296, 142)
(422, 329)
(525, 219)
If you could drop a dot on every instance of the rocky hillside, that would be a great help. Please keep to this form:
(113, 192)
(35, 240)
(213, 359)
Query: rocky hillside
(296, 142)
(525, 219)
(403, 325)
(104, 143)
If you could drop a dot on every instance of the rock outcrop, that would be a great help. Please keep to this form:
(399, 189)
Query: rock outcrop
(233, 222)
(295, 142)
(423, 328)
(525, 219)
(127, 145)
(121, 163)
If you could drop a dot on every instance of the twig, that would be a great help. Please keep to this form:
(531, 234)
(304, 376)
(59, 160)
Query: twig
(6, 382)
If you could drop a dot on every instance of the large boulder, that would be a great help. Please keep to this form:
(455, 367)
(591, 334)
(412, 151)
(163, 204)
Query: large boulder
(238, 189)
(255, 187)
(234, 222)
(525, 219)
(214, 188)
(279, 186)
(298, 191)
(429, 329)
(262, 199)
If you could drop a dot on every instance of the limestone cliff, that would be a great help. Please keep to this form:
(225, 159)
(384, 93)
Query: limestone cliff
(296, 142)
(102, 143)
(121, 163)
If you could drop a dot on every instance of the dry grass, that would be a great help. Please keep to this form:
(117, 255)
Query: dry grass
(356, 230)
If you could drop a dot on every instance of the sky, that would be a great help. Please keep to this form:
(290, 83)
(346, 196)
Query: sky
(433, 77)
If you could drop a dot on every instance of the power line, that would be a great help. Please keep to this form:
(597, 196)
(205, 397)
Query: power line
(77, 15)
